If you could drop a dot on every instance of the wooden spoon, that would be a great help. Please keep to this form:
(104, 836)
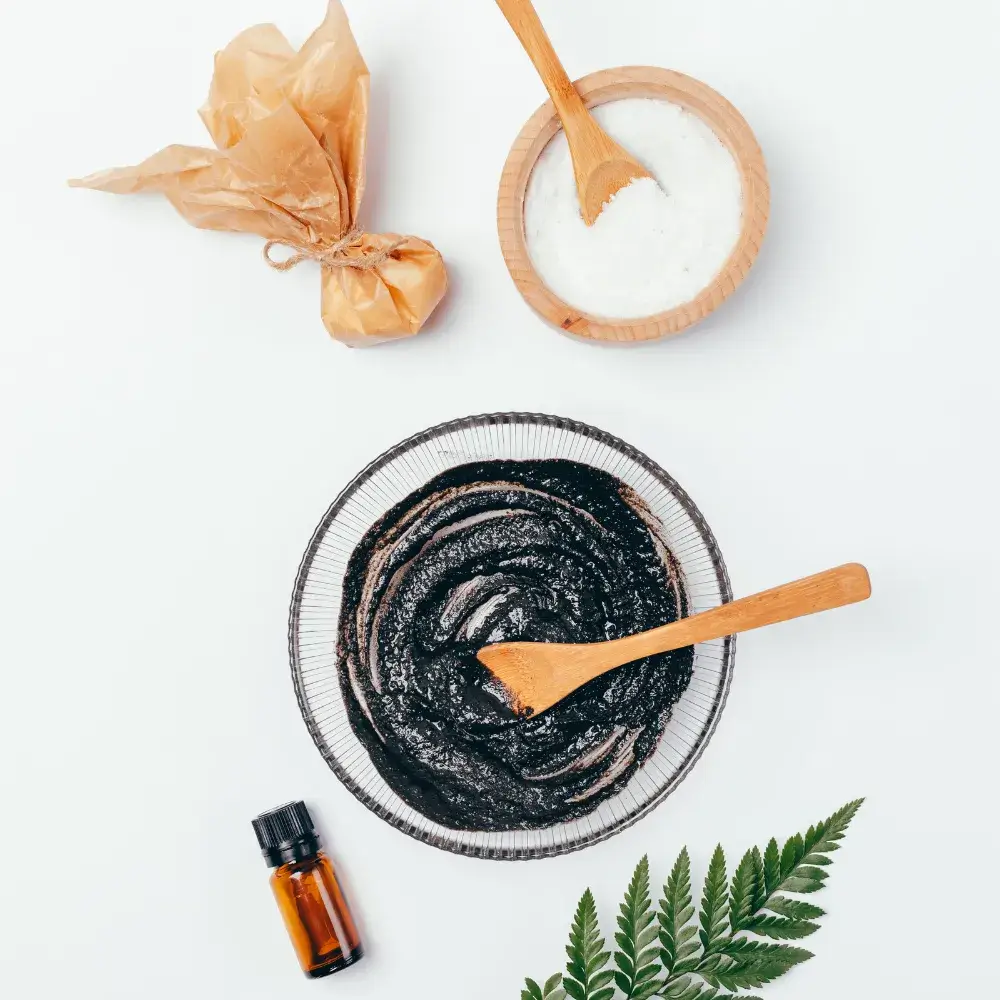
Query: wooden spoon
(601, 166)
(539, 674)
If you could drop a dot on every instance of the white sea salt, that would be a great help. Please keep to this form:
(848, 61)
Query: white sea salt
(657, 244)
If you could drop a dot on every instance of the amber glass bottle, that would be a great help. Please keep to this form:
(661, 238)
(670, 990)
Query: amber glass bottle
(305, 886)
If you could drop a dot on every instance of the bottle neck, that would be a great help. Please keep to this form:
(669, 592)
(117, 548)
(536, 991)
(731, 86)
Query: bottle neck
(290, 853)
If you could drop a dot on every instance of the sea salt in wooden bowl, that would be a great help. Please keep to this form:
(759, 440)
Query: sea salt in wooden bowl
(602, 88)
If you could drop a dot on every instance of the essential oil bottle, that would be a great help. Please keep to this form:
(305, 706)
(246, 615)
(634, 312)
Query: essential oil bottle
(305, 886)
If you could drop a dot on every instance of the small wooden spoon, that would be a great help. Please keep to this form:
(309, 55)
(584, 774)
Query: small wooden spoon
(601, 166)
(539, 674)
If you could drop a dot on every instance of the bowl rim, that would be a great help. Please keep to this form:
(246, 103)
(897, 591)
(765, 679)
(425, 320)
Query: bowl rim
(414, 441)
(603, 87)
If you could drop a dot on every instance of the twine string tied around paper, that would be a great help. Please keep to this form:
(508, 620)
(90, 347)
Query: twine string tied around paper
(335, 255)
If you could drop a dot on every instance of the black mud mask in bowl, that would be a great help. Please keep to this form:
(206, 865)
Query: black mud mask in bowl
(492, 529)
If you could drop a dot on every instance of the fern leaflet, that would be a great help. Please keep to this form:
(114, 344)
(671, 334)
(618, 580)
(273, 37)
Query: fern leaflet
(743, 893)
(714, 904)
(552, 990)
(678, 937)
(800, 868)
(636, 939)
(586, 978)
(745, 964)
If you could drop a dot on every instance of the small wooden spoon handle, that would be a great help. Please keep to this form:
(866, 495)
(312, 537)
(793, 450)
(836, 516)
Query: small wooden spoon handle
(524, 20)
(833, 588)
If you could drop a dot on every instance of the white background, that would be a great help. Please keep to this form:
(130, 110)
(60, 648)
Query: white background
(174, 421)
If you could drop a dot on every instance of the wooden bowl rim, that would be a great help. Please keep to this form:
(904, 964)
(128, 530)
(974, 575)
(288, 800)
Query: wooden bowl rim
(600, 88)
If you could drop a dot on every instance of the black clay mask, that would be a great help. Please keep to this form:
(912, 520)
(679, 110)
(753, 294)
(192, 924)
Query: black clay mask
(541, 551)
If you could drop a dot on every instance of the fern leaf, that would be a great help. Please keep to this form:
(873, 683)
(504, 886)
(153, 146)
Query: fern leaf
(647, 981)
(794, 851)
(701, 992)
(574, 971)
(693, 992)
(714, 904)
(584, 979)
(743, 893)
(678, 988)
(781, 928)
(805, 879)
(801, 863)
(636, 956)
(552, 989)
(745, 964)
(712, 993)
(643, 990)
(772, 867)
(825, 837)
(794, 909)
(760, 881)
(678, 947)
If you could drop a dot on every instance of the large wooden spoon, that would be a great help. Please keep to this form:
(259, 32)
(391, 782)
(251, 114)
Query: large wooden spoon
(538, 674)
(601, 166)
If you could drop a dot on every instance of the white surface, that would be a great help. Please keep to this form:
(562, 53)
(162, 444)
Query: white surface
(174, 421)
(659, 242)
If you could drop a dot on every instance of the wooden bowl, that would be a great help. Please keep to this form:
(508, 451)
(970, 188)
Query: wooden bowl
(601, 88)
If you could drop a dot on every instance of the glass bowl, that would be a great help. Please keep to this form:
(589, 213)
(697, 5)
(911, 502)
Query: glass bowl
(315, 611)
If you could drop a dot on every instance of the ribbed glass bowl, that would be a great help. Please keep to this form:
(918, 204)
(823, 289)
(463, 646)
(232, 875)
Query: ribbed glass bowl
(315, 611)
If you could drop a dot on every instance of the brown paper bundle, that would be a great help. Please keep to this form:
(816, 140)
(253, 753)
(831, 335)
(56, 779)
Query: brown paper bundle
(291, 128)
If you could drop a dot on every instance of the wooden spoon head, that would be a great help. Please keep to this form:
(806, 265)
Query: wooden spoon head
(537, 675)
(603, 181)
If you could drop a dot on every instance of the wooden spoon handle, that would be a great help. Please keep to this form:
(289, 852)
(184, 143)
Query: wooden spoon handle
(834, 588)
(524, 20)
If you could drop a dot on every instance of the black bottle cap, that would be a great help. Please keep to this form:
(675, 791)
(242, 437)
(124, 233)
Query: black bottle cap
(286, 834)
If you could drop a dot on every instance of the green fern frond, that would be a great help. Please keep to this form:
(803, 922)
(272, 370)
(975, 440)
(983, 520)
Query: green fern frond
(678, 937)
(714, 904)
(636, 939)
(586, 978)
(671, 954)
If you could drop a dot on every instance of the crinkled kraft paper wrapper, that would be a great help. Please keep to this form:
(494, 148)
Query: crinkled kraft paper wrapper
(291, 128)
